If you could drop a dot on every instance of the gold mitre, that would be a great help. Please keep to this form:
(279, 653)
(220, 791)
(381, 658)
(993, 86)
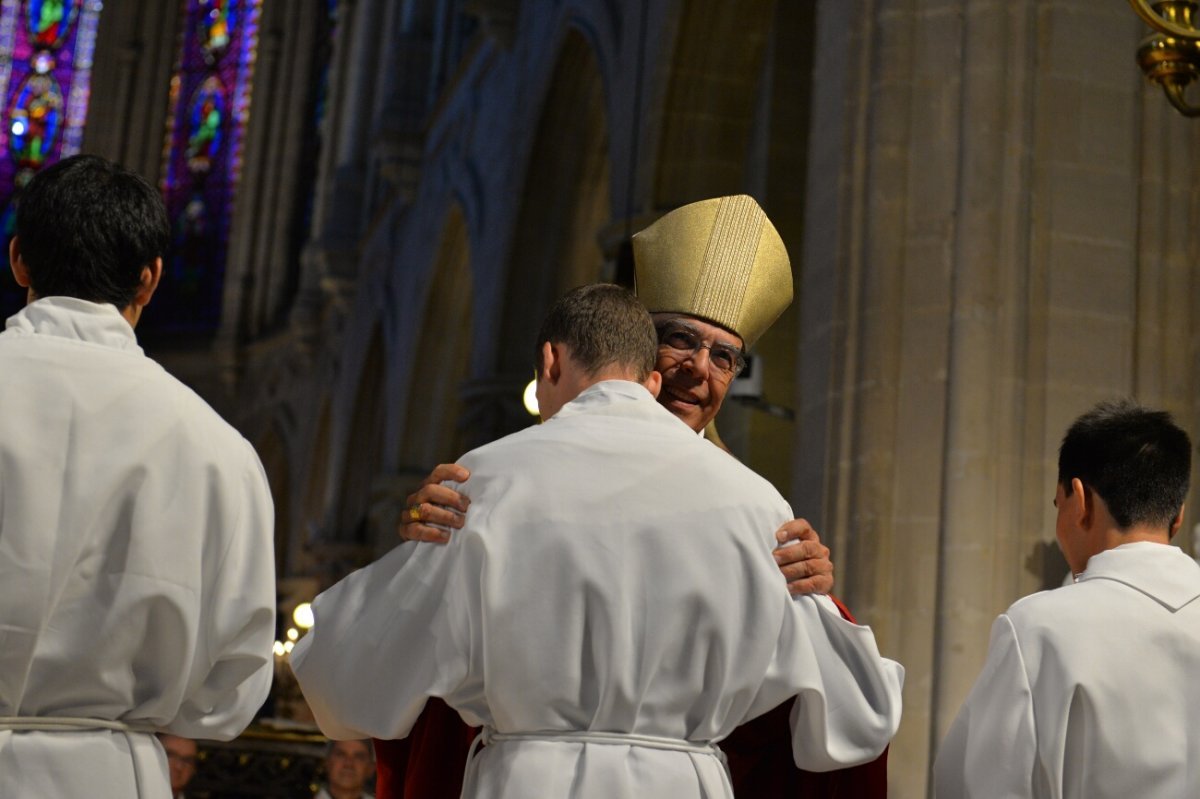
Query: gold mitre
(721, 260)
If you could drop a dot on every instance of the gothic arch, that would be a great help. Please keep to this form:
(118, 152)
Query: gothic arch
(564, 206)
(442, 354)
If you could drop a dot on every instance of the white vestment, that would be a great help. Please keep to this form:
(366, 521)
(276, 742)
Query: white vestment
(614, 575)
(1090, 690)
(136, 566)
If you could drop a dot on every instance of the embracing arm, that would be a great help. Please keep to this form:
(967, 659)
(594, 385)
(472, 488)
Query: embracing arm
(384, 640)
(848, 702)
(434, 509)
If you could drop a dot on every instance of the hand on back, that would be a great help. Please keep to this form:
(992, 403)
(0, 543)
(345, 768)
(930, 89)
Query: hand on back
(805, 563)
(433, 507)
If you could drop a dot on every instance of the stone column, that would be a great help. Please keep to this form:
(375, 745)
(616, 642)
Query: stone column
(262, 269)
(340, 214)
(136, 46)
(1167, 295)
(971, 283)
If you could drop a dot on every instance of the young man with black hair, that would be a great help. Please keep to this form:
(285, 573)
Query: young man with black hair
(137, 590)
(610, 609)
(1090, 690)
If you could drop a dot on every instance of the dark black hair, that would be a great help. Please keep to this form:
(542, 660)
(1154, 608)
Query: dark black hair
(603, 324)
(86, 227)
(1136, 459)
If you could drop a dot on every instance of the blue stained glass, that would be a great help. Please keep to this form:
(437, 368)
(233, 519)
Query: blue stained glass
(210, 98)
(34, 120)
(46, 49)
(204, 125)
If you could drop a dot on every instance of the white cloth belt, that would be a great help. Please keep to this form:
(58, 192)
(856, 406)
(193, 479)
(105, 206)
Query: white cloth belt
(489, 736)
(69, 724)
(80, 724)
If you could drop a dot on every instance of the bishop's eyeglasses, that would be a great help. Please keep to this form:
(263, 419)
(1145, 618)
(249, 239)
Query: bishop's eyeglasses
(685, 341)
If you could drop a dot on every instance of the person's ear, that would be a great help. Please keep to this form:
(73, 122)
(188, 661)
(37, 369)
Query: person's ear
(1176, 523)
(551, 363)
(1081, 505)
(148, 282)
(17, 263)
(1084, 508)
(653, 382)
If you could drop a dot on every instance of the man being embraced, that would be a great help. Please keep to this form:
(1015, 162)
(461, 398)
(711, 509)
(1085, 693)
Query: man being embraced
(611, 608)
(716, 276)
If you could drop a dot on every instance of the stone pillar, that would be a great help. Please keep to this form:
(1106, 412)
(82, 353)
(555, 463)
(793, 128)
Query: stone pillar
(1167, 295)
(262, 266)
(401, 114)
(971, 283)
(340, 214)
(131, 78)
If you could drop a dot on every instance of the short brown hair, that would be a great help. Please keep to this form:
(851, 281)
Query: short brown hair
(603, 325)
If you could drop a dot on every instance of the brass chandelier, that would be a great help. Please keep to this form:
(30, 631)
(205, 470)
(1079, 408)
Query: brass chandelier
(1170, 56)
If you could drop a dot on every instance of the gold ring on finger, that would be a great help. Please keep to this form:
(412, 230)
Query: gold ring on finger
(414, 513)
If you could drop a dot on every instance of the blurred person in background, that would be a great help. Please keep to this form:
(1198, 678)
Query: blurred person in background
(348, 766)
(181, 762)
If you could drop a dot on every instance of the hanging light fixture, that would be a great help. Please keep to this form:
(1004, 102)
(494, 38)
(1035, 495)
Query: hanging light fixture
(1170, 56)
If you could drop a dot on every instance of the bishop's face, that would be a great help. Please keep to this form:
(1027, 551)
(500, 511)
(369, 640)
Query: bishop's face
(693, 384)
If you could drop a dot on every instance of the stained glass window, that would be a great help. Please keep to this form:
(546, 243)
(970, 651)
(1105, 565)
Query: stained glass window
(210, 105)
(46, 49)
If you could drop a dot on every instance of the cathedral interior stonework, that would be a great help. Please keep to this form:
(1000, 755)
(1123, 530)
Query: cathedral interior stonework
(374, 202)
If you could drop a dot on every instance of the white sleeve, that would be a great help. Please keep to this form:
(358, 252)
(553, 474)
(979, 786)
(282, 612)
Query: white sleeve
(991, 747)
(385, 639)
(848, 703)
(234, 664)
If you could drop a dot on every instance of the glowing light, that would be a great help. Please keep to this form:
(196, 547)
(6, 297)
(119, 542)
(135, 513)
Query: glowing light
(303, 616)
(293, 634)
(530, 398)
(278, 649)
(18, 127)
(289, 646)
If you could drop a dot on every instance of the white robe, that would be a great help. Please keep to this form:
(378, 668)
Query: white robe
(136, 566)
(615, 574)
(1090, 690)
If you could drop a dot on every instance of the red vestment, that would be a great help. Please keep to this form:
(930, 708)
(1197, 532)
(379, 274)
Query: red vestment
(429, 763)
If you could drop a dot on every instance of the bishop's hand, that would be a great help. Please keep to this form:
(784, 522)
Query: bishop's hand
(433, 507)
(805, 563)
